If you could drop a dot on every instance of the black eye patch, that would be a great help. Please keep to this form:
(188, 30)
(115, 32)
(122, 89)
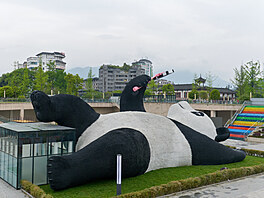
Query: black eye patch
(197, 113)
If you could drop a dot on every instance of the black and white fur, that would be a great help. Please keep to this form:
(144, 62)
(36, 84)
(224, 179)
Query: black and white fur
(146, 142)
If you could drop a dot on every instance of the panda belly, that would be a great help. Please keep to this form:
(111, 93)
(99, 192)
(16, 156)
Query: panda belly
(168, 146)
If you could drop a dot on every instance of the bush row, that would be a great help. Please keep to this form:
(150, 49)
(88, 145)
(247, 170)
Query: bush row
(34, 190)
(250, 152)
(185, 184)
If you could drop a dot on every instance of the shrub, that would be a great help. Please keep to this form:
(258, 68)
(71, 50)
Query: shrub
(214, 94)
(34, 190)
(203, 95)
(192, 94)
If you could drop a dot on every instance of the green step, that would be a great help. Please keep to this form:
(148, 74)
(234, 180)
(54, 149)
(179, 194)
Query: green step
(249, 118)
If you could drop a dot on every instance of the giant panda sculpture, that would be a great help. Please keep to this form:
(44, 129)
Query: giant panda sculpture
(182, 112)
(146, 141)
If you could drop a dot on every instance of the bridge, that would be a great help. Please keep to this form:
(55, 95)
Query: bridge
(24, 110)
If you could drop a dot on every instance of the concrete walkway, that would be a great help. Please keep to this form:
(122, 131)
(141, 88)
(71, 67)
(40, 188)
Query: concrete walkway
(7, 191)
(249, 187)
(242, 144)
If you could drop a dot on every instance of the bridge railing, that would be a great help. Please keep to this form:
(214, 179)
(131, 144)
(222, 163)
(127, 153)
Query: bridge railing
(151, 98)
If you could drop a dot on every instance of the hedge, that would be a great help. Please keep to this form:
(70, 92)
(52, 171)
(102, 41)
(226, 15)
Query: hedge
(185, 184)
(34, 190)
(250, 152)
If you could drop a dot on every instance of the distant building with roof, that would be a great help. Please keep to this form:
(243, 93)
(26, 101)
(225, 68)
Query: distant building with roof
(146, 65)
(44, 58)
(182, 90)
(56, 57)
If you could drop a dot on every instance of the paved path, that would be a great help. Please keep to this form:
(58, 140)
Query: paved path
(250, 187)
(7, 191)
(243, 144)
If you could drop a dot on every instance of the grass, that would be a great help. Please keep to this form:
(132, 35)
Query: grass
(107, 188)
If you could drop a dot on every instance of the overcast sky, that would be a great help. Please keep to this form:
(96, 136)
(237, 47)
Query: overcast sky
(187, 35)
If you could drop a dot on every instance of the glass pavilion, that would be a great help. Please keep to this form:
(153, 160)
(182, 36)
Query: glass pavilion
(26, 147)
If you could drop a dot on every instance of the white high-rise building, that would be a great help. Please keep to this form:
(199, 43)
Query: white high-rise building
(146, 65)
(45, 58)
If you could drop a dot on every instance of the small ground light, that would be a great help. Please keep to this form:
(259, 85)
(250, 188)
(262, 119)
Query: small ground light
(118, 174)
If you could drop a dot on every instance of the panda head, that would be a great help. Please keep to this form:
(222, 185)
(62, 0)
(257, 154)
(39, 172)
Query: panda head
(199, 121)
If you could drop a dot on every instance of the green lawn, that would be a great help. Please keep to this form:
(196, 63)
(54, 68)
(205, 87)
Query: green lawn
(107, 188)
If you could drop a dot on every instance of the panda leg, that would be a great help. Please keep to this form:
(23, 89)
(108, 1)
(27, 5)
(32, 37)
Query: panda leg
(206, 151)
(98, 159)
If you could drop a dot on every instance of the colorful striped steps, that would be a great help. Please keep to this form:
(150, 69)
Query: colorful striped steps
(245, 122)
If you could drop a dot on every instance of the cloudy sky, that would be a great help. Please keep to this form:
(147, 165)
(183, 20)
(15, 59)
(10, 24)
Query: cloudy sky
(187, 35)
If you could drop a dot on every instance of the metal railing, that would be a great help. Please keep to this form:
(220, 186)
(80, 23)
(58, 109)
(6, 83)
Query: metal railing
(233, 118)
(151, 98)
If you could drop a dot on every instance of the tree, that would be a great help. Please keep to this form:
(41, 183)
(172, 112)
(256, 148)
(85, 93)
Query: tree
(60, 82)
(168, 89)
(193, 93)
(51, 73)
(203, 95)
(25, 83)
(6, 91)
(40, 79)
(74, 84)
(89, 85)
(147, 92)
(240, 83)
(253, 73)
(152, 87)
(215, 94)
(248, 80)
(210, 78)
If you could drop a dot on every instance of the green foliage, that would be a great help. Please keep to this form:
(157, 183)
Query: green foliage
(193, 93)
(147, 92)
(74, 84)
(214, 94)
(60, 82)
(8, 91)
(152, 87)
(89, 85)
(40, 79)
(253, 73)
(210, 78)
(125, 67)
(51, 73)
(168, 89)
(107, 95)
(25, 88)
(203, 95)
(23, 81)
(34, 190)
(16, 91)
(248, 79)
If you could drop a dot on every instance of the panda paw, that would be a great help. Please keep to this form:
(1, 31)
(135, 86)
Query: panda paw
(58, 172)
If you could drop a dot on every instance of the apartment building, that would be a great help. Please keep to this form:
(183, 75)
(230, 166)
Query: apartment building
(146, 65)
(45, 58)
(112, 78)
